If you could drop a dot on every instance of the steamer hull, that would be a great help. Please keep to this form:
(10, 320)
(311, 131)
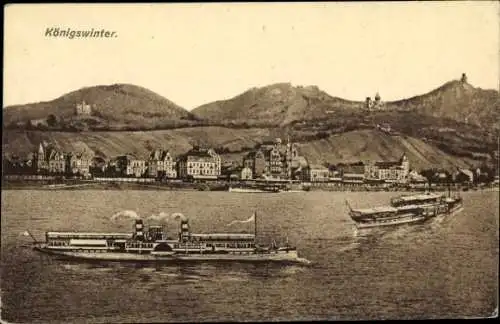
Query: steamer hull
(411, 209)
(152, 245)
(278, 256)
(399, 221)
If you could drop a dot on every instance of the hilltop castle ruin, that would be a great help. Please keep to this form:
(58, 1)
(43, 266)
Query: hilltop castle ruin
(375, 104)
(83, 109)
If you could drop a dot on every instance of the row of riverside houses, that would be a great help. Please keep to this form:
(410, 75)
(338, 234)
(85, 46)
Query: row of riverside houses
(277, 161)
(50, 160)
(197, 163)
(272, 160)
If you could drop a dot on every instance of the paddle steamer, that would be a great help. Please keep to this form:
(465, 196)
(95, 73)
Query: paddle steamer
(406, 209)
(152, 244)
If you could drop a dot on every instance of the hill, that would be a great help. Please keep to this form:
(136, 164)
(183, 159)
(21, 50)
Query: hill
(454, 125)
(457, 100)
(280, 104)
(111, 107)
(352, 146)
(369, 145)
(276, 104)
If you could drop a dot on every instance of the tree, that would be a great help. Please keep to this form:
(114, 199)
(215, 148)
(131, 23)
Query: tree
(29, 124)
(429, 174)
(51, 120)
(40, 126)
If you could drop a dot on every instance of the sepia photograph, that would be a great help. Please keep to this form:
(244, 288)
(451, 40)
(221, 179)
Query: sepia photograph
(250, 162)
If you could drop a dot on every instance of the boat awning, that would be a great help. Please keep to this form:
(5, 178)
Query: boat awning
(224, 236)
(83, 235)
(376, 210)
(78, 242)
(418, 197)
(410, 207)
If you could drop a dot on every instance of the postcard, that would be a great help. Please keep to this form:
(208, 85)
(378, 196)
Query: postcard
(210, 162)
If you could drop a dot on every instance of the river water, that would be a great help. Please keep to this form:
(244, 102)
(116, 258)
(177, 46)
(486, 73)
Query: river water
(446, 268)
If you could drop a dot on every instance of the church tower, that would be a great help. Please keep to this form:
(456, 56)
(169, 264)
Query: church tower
(40, 157)
(41, 151)
(405, 165)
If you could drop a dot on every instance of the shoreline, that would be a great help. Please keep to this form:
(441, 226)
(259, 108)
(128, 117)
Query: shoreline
(220, 186)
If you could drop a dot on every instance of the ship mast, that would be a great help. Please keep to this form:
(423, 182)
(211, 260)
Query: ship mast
(255, 227)
(449, 188)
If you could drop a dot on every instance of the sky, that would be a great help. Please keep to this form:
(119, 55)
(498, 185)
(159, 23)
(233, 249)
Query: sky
(194, 54)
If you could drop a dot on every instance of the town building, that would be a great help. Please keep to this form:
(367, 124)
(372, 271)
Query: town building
(49, 159)
(161, 164)
(415, 177)
(352, 174)
(315, 173)
(274, 160)
(57, 162)
(246, 173)
(239, 173)
(463, 176)
(256, 162)
(98, 165)
(79, 163)
(230, 169)
(199, 163)
(391, 171)
(482, 175)
(131, 165)
(334, 174)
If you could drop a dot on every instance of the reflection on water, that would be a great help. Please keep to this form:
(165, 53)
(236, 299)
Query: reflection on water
(442, 268)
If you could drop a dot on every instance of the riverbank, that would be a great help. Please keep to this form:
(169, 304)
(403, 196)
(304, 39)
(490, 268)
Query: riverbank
(209, 186)
(110, 185)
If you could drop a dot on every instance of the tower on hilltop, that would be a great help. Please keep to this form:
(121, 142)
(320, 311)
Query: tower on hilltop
(464, 78)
